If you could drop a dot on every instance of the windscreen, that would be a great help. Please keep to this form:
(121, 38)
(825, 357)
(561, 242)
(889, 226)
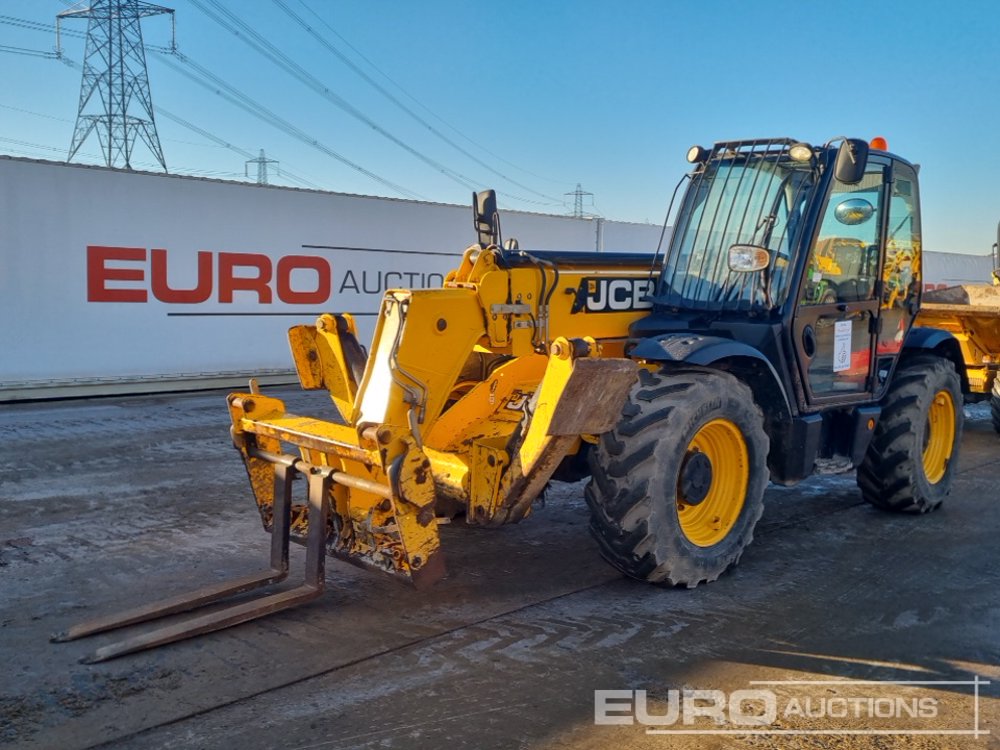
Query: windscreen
(748, 193)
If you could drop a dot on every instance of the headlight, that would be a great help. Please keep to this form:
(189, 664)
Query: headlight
(748, 258)
(697, 154)
(801, 152)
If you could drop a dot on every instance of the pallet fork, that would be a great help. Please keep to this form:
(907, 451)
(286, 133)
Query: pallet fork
(287, 469)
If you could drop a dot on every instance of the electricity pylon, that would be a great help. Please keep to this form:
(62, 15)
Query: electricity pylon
(578, 195)
(261, 162)
(114, 68)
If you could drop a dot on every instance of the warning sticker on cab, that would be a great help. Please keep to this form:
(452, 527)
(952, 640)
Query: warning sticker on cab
(842, 345)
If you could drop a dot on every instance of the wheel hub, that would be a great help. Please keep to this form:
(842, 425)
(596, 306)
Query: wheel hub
(695, 478)
(712, 482)
(939, 436)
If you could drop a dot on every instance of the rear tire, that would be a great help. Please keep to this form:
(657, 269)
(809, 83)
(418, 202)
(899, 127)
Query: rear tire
(677, 486)
(912, 458)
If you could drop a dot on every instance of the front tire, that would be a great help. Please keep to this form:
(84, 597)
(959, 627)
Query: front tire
(677, 486)
(911, 461)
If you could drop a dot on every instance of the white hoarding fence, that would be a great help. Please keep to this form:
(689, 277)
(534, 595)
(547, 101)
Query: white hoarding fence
(942, 270)
(113, 281)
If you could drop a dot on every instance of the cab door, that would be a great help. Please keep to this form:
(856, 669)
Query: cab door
(901, 274)
(836, 322)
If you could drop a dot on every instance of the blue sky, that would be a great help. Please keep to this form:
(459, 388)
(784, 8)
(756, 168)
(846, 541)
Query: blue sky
(548, 95)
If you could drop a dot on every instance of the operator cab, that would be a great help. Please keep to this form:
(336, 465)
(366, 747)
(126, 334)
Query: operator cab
(797, 262)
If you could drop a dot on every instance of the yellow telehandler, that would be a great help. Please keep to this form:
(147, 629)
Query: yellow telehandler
(682, 384)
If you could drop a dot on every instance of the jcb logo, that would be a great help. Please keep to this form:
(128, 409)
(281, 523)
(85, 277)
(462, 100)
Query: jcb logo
(613, 295)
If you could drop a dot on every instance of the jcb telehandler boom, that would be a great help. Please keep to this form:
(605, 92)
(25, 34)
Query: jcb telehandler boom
(776, 337)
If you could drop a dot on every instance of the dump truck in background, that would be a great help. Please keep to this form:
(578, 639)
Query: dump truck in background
(971, 313)
(775, 337)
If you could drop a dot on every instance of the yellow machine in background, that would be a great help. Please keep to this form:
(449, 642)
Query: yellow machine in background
(971, 313)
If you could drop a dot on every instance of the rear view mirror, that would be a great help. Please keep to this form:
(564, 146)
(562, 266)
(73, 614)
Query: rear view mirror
(852, 158)
(484, 211)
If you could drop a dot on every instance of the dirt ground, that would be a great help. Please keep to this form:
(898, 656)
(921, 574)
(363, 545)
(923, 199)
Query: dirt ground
(107, 503)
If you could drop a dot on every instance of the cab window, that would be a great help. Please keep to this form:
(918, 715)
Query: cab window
(901, 269)
(843, 262)
(902, 246)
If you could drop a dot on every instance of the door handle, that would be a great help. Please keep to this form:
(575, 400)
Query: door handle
(808, 342)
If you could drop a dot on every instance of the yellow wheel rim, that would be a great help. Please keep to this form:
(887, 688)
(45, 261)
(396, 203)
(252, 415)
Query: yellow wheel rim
(709, 514)
(939, 438)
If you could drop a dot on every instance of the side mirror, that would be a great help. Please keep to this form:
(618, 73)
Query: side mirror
(854, 211)
(748, 258)
(484, 217)
(852, 158)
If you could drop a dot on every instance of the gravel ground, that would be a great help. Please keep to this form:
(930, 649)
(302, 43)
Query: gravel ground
(109, 502)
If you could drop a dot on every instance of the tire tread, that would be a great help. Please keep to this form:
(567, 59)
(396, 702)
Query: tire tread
(623, 477)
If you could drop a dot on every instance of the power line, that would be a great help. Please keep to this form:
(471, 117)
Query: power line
(194, 128)
(419, 103)
(28, 52)
(171, 116)
(212, 82)
(208, 80)
(251, 37)
(25, 23)
(221, 88)
(159, 110)
(227, 145)
(54, 149)
(391, 97)
(243, 31)
(36, 114)
(39, 146)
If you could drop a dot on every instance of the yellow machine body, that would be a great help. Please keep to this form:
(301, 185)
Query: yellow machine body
(470, 398)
